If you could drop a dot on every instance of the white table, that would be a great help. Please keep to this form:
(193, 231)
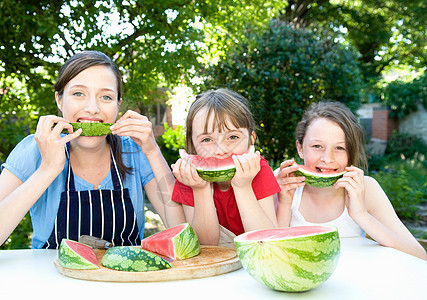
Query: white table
(365, 271)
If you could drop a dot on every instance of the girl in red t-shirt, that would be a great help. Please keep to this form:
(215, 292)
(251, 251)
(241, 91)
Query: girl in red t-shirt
(220, 124)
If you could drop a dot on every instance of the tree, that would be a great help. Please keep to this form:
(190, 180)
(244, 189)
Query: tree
(157, 44)
(386, 33)
(282, 74)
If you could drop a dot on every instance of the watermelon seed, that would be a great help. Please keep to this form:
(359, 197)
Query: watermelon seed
(261, 242)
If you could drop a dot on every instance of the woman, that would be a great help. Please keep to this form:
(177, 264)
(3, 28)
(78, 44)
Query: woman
(86, 185)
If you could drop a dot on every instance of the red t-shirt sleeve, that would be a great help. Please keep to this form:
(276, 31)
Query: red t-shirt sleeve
(183, 194)
(265, 183)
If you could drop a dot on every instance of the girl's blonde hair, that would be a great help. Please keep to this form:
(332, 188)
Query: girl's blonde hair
(340, 114)
(226, 105)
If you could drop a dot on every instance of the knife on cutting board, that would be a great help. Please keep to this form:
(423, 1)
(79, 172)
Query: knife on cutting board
(95, 242)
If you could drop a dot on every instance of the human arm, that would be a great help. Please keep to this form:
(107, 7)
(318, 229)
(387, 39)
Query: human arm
(16, 196)
(255, 214)
(370, 208)
(202, 216)
(288, 183)
(159, 191)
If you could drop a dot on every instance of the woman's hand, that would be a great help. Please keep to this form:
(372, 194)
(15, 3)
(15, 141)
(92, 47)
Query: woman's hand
(186, 173)
(287, 181)
(139, 128)
(51, 144)
(247, 167)
(354, 185)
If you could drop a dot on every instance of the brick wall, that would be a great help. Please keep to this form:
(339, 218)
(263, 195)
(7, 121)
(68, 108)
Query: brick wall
(382, 125)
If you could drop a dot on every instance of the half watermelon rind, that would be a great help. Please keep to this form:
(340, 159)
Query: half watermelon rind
(293, 259)
(133, 259)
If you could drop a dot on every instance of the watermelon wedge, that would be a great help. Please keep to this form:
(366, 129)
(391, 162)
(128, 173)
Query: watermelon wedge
(92, 129)
(179, 242)
(214, 169)
(316, 178)
(75, 255)
(293, 259)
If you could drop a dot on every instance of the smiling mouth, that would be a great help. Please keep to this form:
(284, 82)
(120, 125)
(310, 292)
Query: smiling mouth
(89, 121)
(325, 170)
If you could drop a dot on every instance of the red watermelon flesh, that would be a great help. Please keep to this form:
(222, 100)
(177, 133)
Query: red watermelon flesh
(212, 163)
(177, 242)
(84, 251)
(283, 233)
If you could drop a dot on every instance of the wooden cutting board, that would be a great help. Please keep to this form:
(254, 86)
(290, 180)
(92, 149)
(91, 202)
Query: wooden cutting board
(212, 261)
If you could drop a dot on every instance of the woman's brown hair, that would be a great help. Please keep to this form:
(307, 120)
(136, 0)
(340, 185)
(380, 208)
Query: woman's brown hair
(74, 66)
(340, 114)
(225, 105)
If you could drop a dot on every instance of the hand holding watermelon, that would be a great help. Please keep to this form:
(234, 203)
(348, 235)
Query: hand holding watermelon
(354, 185)
(288, 181)
(186, 173)
(247, 167)
(51, 144)
(139, 128)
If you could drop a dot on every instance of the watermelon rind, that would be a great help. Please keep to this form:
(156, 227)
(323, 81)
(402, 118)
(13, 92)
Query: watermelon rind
(133, 259)
(92, 129)
(292, 264)
(183, 245)
(218, 173)
(317, 179)
(186, 243)
(69, 259)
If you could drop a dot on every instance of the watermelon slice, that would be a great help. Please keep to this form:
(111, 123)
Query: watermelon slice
(92, 129)
(177, 242)
(316, 178)
(293, 259)
(133, 259)
(75, 255)
(214, 169)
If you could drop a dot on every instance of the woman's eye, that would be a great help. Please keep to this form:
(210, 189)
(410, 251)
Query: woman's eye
(206, 140)
(78, 94)
(341, 148)
(233, 137)
(107, 98)
(317, 146)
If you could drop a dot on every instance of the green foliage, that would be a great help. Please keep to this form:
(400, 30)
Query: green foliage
(170, 142)
(282, 74)
(406, 145)
(21, 236)
(404, 183)
(404, 97)
(401, 172)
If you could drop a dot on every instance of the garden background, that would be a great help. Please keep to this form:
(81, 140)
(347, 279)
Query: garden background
(281, 55)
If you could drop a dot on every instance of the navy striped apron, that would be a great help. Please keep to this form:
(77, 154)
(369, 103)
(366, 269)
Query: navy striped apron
(107, 214)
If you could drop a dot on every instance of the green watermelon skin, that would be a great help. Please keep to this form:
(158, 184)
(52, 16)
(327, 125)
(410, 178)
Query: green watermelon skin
(217, 176)
(133, 259)
(316, 179)
(83, 258)
(294, 264)
(178, 242)
(214, 169)
(92, 129)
